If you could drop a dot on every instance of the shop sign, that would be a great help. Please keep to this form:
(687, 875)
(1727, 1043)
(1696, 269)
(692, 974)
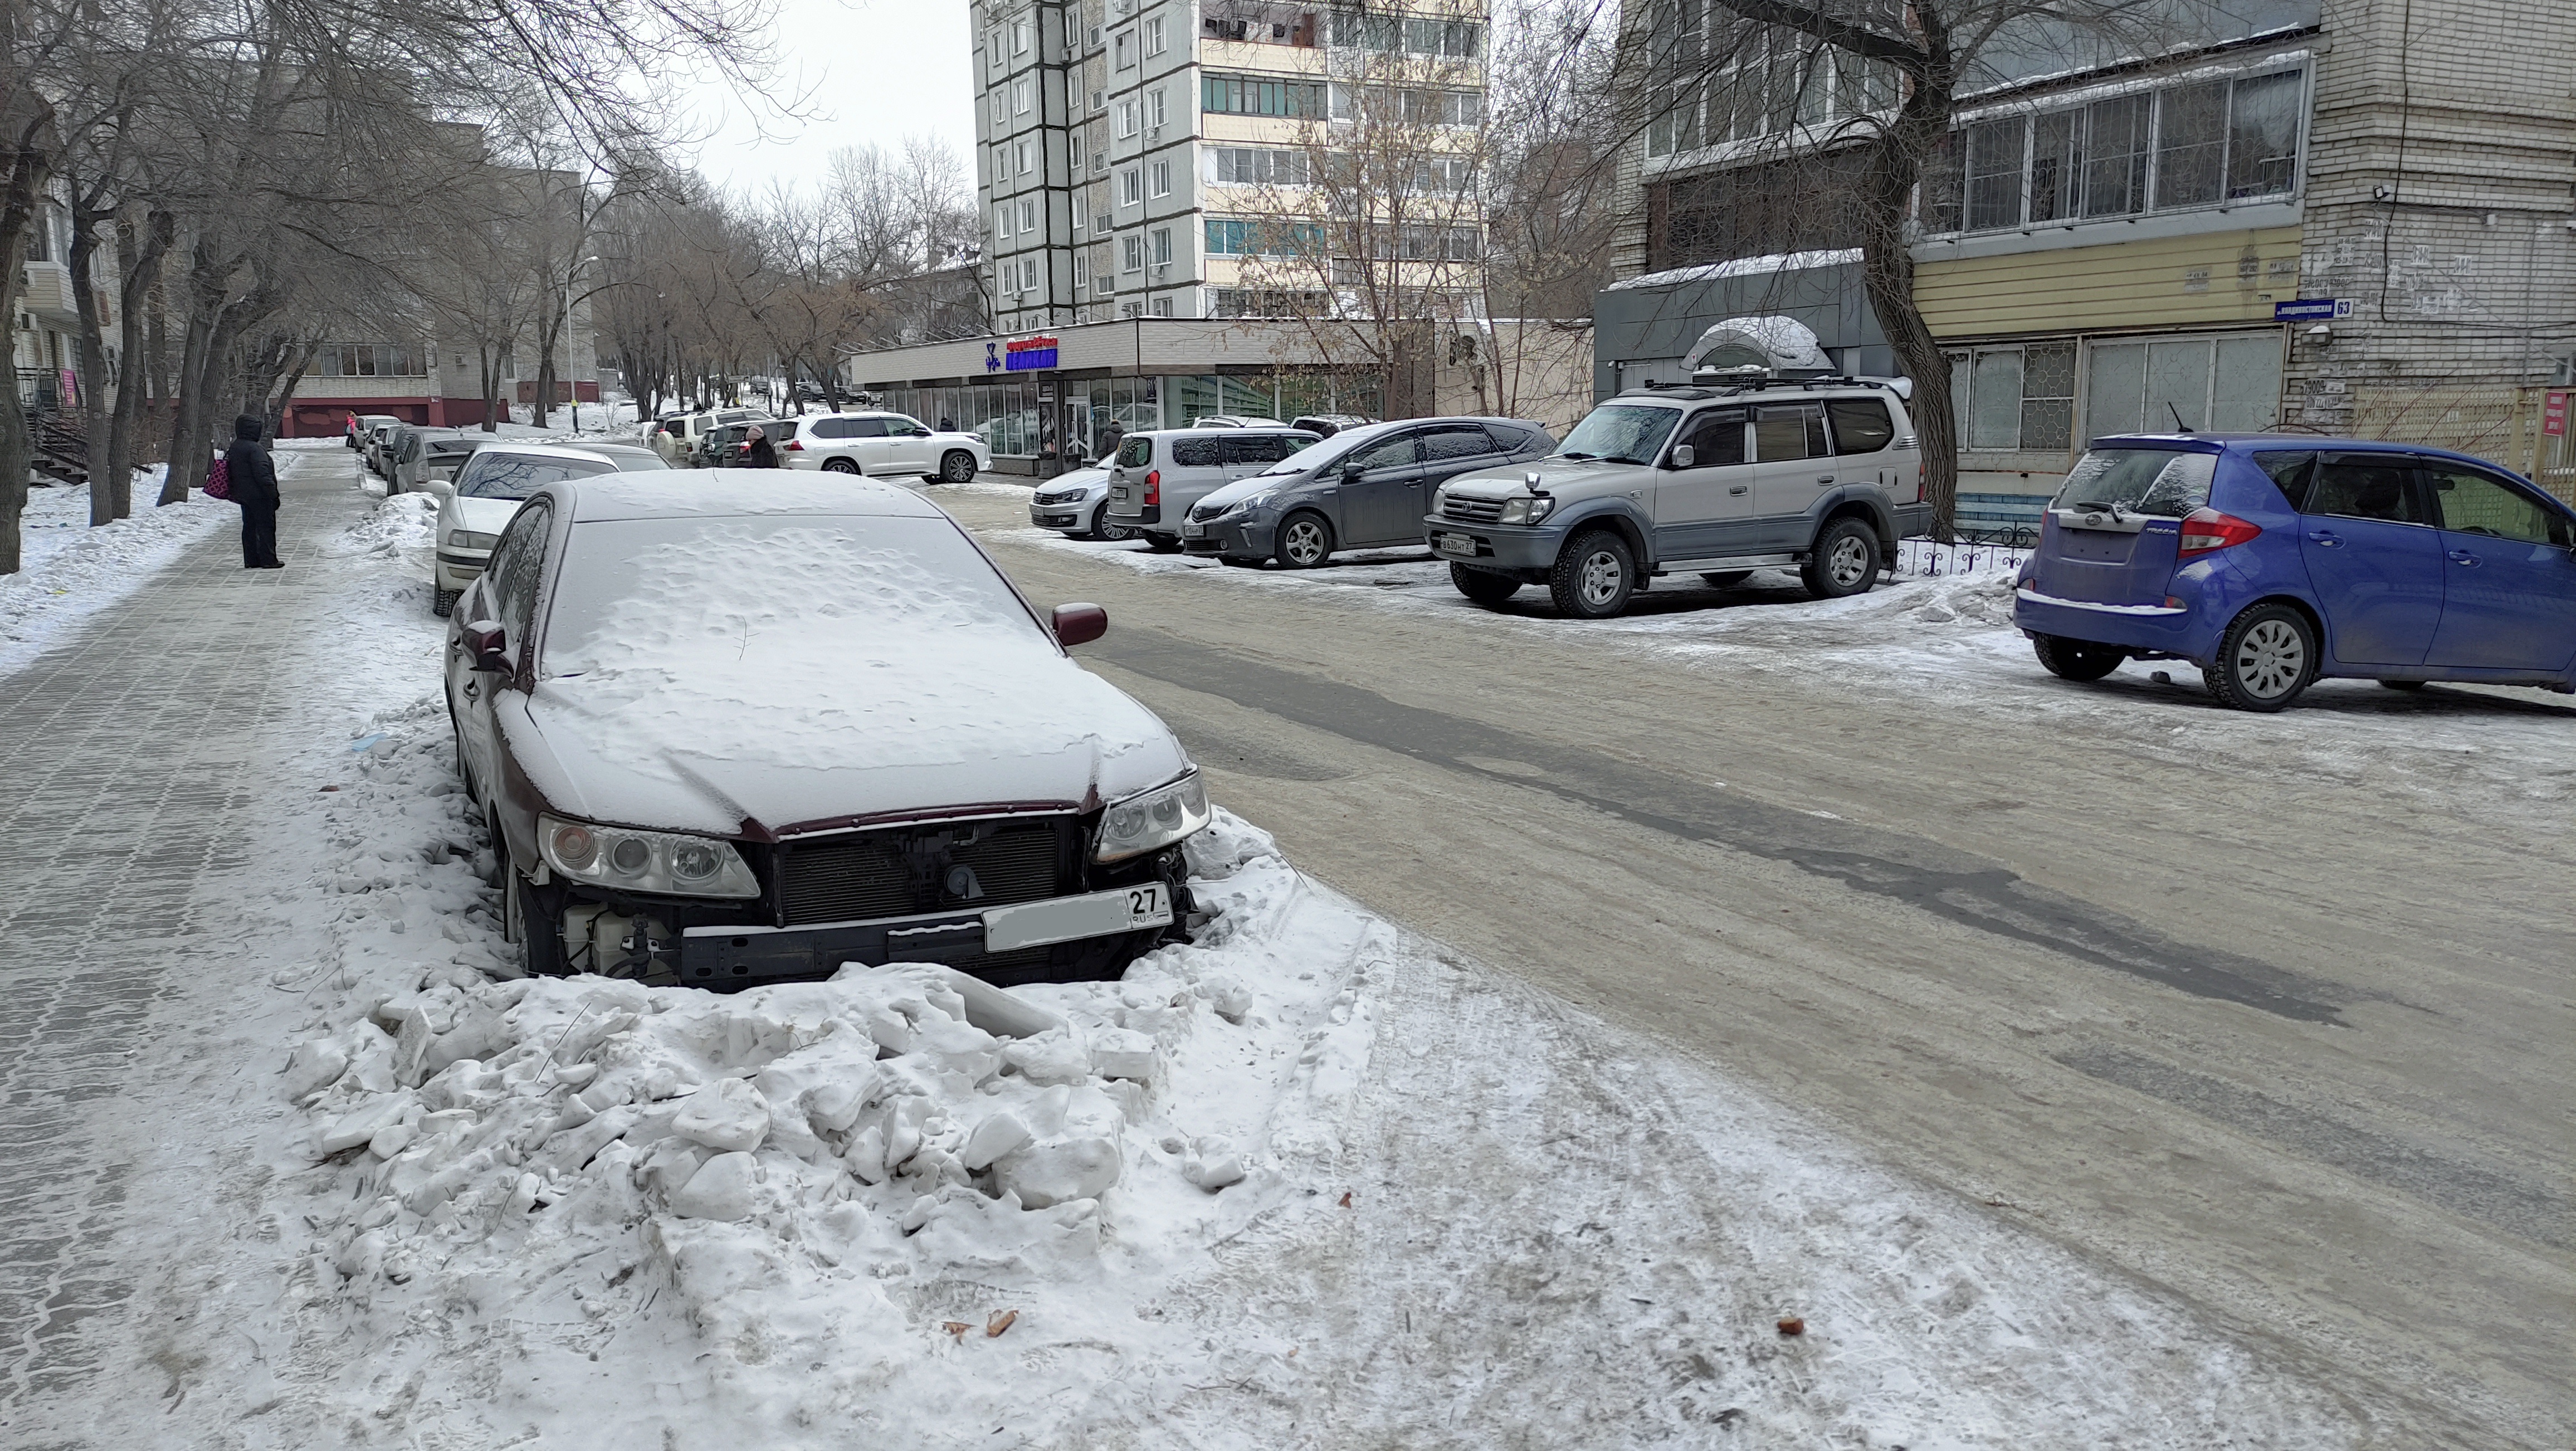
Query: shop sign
(2313, 309)
(1024, 354)
(2553, 415)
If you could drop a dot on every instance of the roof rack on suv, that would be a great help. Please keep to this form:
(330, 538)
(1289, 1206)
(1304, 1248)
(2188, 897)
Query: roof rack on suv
(1697, 392)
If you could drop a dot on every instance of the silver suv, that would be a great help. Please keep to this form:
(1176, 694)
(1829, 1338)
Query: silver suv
(1822, 474)
(1159, 474)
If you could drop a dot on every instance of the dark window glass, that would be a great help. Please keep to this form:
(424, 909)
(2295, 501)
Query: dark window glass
(1791, 432)
(1861, 425)
(2288, 473)
(2472, 501)
(514, 575)
(2366, 486)
(1994, 174)
(1195, 452)
(2191, 145)
(1135, 453)
(1261, 448)
(1386, 453)
(863, 428)
(1715, 437)
(1455, 441)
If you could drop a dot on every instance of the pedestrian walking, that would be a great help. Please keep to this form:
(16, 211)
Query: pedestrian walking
(1110, 438)
(758, 452)
(253, 479)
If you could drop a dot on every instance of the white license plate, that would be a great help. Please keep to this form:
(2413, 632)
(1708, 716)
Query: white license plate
(1193, 531)
(1068, 919)
(1455, 544)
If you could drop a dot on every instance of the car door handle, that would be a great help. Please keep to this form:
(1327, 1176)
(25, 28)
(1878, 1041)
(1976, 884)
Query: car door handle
(1737, 488)
(1824, 478)
(2462, 556)
(2323, 537)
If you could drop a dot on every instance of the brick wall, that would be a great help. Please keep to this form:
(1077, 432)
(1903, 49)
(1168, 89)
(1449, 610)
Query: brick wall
(2441, 182)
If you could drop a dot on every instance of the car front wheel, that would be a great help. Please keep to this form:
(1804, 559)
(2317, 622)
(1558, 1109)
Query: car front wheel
(442, 602)
(1305, 540)
(1594, 576)
(1845, 561)
(1483, 585)
(957, 467)
(2076, 659)
(2268, 656)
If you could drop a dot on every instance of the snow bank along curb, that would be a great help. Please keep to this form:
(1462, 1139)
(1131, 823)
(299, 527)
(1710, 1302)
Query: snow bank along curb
(70, 571)
(853, 1163)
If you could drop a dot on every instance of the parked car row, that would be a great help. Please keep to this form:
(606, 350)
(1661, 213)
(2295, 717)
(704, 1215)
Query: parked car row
(489, 488)
(869, 442)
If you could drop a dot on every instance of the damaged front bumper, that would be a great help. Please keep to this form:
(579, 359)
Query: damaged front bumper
(962, 940)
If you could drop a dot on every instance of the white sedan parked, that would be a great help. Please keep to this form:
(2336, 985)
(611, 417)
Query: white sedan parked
(881, 444)
(487, 492)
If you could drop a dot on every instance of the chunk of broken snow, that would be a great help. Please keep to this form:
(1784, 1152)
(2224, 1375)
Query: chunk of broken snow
(1126, 1053)
(1052, 1174)
(360, 1124)
(1213, 1163)
(727, 1114)
(315, 1064)
(722, 1188)
(997, 1135)
(1052, 1057)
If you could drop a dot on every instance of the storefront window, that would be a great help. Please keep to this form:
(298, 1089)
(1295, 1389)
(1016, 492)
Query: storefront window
(2225, 384)
(1247, 397)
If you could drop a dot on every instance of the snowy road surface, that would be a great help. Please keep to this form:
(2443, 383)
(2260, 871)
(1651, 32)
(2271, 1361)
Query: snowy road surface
(2074, 1083)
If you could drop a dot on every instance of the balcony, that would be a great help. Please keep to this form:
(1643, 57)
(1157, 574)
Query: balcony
(49, 294)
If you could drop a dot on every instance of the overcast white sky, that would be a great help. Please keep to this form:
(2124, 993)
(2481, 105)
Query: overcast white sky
(867, 70)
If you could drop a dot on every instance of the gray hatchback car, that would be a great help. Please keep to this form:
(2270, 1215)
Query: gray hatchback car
(1367, 488)
(1159, 474)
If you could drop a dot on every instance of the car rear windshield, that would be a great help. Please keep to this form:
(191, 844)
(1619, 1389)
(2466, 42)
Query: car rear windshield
(516, 476)
(748, 594)
(1628, 433)
(1135, 453)
(2160, 482)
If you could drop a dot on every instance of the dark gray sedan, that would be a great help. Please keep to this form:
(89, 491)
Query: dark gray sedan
(1363, 488)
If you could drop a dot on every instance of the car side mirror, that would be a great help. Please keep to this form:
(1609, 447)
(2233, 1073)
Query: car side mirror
(441, 487)
(1351, 472)
(485, 641)
(1682, 455)
(1079, 624)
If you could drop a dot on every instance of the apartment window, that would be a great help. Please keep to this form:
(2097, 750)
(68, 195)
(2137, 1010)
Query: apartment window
(1129, 309)
(1001, 161)
(1028, 274)
(1244, 237)
(1230, 95)
(1162, 246)
(1029, 215)
(1000, 117)
(1154, 109)
(1126, 119)
(1154, 36)
(1100, 223)
(1081, 270)
(1100, 100)
(1122, 50)
(2225, 383)
(1392, 34)
(1101, 281)
(1028, 158)
(1162, 178)
(1412, 107)
(993, 51)
(1443, 176)
(2204, 144)
(343, 360)
(1162, 307)
(1248, 166)
(1002, 222)
(1131, 186)
(2016, 399)
(1020, 96)
(1020, 38)
(1134, 248)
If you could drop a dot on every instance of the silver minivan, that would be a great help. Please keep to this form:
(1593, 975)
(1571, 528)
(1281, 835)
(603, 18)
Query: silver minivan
(1159, 474)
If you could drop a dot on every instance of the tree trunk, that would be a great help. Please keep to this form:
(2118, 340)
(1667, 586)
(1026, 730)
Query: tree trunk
(283, 390)
(27, 173)
(485, 358)
(139, 261)
(83, 260)
(187, 460)
(1887, 274)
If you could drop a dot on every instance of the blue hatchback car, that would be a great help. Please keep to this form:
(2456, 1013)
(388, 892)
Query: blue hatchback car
(2269, 560)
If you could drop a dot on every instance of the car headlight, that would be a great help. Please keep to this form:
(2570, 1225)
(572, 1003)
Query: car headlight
(468, 539)
(660, 862)
(1258, 501)
(1152, 820)
(1529, 510)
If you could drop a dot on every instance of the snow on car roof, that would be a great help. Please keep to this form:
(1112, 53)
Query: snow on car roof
(716, 493)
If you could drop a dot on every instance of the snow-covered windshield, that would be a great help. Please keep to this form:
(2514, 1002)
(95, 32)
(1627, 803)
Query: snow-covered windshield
(2161, 482)
(490, 475)
(787, 598)
(1309, 457)
(1628, 433)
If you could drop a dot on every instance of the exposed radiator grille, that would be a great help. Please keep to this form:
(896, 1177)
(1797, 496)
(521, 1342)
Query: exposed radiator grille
(1471, 511)
(917, 869)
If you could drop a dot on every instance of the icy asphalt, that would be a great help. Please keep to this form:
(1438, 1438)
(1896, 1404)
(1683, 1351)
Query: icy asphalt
(2271, 1012)
(2094, 1068)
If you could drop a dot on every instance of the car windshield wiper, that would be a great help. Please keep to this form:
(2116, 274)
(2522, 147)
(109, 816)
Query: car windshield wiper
(1575, 455)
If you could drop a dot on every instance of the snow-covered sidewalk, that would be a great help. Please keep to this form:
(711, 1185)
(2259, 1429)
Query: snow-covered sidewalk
(1306, 1181)
(69, 571)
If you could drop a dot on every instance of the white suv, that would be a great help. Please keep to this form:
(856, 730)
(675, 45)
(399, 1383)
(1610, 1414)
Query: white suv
(878, 444)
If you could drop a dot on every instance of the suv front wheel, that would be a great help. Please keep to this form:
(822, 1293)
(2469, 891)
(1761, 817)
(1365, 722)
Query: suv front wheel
(1594, 575)
(1845, 560)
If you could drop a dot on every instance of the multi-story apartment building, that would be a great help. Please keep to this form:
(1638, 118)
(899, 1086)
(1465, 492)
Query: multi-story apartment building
(1155, 158)
(2327, 215)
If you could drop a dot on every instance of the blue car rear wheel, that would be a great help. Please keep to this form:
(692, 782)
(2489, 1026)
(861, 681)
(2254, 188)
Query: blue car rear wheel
(2265, 660)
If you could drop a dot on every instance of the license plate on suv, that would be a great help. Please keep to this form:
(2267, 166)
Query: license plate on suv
(1455, 544)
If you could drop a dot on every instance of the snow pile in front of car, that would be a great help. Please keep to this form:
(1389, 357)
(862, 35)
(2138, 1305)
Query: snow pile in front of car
(845, 1185)
(400, 526)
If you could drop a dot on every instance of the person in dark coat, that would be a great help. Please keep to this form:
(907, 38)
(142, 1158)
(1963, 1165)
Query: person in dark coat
(252, 476)
(1110, 437)
(758, 452)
